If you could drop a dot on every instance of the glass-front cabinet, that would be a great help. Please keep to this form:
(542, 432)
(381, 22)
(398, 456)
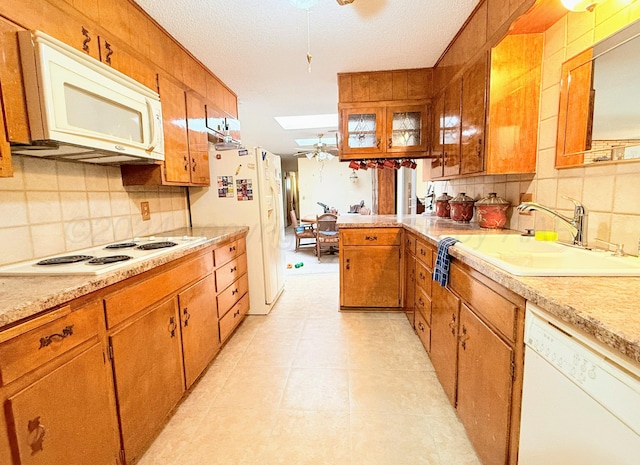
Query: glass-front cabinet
(391, 131)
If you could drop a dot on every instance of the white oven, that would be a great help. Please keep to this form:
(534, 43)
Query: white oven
(81, 109)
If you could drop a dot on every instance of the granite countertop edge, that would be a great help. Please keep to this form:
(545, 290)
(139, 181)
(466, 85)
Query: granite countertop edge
(22, 297)
(606, 309)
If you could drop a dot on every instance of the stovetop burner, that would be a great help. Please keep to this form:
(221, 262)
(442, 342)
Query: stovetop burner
(121, 245)
(65, 259)
(157, 245)
(109, 259)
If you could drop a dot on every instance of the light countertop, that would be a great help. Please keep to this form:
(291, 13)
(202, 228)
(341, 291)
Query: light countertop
(606, 308)
(23, 297)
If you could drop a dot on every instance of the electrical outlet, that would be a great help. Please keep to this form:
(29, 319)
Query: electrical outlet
(146, 212)
(526, 197)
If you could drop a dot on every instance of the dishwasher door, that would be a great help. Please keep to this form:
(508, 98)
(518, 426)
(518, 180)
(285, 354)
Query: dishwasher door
(579, 407)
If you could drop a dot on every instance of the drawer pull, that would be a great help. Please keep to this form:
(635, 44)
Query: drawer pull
(370, 238)
(187, 316)
(234, 291)
(423, 252)
(452, 324)
(107, 58)
(237, 313)
(232, 248)
(36, 435)
(86, 40)
(233, 269)
(47, 340)
(422, 276)
(172, 326)
(421, 302)
(421, 327)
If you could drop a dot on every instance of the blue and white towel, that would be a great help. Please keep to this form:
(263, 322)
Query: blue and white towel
(443, 260)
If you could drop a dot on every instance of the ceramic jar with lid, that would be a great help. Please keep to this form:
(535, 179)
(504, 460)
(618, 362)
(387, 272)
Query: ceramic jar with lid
(491, 212)
(442, 205)
(461, 208)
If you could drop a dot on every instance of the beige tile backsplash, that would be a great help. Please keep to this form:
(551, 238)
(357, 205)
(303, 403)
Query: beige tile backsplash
(611, 193)
(50, 207)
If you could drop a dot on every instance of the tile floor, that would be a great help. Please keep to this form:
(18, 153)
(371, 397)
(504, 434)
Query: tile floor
(310, 385)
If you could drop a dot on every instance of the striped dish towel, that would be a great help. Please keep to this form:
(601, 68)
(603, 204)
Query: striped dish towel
(443, 260)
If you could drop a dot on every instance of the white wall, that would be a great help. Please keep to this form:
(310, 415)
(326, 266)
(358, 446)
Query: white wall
(328, 182)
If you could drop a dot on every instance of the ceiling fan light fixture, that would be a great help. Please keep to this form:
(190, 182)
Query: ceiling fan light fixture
(344, 2)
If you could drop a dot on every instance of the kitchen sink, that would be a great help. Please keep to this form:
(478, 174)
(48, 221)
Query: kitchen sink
(525, 256)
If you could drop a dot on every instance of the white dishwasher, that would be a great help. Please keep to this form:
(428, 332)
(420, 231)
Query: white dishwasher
(580, 400)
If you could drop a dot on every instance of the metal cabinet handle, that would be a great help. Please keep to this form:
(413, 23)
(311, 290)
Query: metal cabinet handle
(348, 265)
(464, 338)
(47, 340)
(378, 143)
(233, 269)
(237, 313)
(186, 163)
(423, 252)
(390, 143)
(37, 432)
(422, 276)
(187, 316)
(234, 291)
(420, 301)
(172, 326)
(107, 58)
(452, 324)
(421, 327)
(193, 164)
(232, 248)
(370, 238)
(87, 39)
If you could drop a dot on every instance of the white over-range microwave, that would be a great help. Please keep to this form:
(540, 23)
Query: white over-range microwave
(81, 109)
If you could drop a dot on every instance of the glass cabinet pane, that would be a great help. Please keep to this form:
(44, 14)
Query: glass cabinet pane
(406, 129)
(362, 130)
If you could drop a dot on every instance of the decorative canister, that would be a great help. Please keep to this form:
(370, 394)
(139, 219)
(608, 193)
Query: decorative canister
(461, 208)
(491, 212)
(442, 205)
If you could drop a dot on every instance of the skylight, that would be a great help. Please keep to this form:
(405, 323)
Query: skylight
(308, 121)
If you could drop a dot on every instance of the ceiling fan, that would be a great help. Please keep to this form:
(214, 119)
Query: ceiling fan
(320, 151)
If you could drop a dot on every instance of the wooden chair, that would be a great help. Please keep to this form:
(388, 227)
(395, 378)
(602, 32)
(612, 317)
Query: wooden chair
(302, 231)
(326, 232)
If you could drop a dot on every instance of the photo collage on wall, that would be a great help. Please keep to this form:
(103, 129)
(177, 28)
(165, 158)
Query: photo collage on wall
(225, 187)
(244, 188)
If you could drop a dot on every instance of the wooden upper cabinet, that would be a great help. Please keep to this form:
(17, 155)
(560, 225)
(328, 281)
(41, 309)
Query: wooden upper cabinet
(176, 144)
(362, 131)
(406, 128)
(437, 139)
(197, 137)
(514, 102)
(474, 83)
(451, 128)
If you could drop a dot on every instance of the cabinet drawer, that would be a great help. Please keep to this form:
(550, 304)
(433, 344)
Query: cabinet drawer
(229, 251)
(410, 243)
(491, 306)
(34, 348)
(233, 317)
(229, 272)
(425, 254)
(423, 278)
(423, 305)
(228, 297)
(424, 331)
(136, 297)
(374, 236)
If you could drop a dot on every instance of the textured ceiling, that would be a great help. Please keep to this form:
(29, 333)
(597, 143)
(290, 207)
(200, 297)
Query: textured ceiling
(258, 48)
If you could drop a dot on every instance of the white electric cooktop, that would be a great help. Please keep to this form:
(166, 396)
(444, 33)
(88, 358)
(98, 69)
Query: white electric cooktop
(100, 259)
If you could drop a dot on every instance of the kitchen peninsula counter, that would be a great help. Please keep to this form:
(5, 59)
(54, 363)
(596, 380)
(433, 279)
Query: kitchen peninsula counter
(603, 307)
(23, 297)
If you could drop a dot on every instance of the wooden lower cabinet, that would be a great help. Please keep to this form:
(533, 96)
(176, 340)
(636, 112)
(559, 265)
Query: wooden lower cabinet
(65, 417)
(148, 372)
(410, 285)
(371, 268)
(199, 326)
(445, 316)
(485, 385)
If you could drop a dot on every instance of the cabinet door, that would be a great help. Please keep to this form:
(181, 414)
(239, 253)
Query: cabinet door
(445, 312)
(198, 143)
(451, 128)
(362, 131)
(406, 129)
(437, 138)
(113, 55)
(474, 84)
(67, 416)
(147, 365)
(199, 323)
(174, 118)
(370, 276)
(485, 384)
(410, 286)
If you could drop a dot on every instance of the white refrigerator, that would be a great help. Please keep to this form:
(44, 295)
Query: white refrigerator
(246, 190)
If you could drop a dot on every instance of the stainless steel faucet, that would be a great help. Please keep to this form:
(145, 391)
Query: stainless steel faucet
(577, 225)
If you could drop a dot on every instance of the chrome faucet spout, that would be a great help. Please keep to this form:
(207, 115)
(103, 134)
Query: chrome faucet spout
(577, 225)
